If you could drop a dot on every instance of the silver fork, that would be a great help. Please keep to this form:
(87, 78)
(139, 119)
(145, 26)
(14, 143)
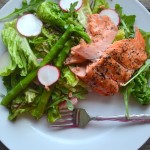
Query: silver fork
(80, 118)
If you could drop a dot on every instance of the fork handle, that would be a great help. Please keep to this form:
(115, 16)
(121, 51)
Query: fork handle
(123, 118)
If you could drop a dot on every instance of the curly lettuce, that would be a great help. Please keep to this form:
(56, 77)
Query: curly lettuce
(50, 12)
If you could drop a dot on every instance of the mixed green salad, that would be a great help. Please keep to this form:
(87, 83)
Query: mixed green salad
(60, 31)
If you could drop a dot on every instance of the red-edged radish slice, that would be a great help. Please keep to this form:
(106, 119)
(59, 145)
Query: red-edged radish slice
(112, 14)
(63, 104)
(48, 75)
(65, 4)
(29, 25)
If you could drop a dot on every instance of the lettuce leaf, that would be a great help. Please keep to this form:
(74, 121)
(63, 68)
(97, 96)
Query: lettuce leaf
(53, 114)
(141, 88)
(24, 102)
(7, 64)
(44, 42)
(67, 85)
(126, 22)
(138, 86)
(50, 12)
(19, 50)
(83, 12)
(71, 79)
(120, 35)
(146, 36)
(11, 80)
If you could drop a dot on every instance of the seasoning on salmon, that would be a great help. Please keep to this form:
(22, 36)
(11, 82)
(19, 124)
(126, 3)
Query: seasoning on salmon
(100, 83)
(111, 64)
(107, 66)
(130, 53)
(97, 81)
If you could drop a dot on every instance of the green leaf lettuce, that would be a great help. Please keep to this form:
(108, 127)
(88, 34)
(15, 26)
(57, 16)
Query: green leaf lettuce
(19, 50)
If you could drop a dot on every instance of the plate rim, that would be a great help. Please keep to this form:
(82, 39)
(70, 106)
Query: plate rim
(9, 3)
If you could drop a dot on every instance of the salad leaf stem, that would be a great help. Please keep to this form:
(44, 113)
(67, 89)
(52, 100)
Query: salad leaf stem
(126, 93)
(147, 64)
(63, 54)
(25, 8)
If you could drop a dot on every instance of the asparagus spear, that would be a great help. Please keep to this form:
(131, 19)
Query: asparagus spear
(40, 109)
(18, 88)
(29, 78)
(48, 58)
(63, 54)
(60, 43)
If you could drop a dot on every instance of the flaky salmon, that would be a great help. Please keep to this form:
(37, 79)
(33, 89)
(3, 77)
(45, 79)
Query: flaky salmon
(130, 53)
(99, 82)
(101, 28)
(107, 66)
(111, 63)
(102, 31)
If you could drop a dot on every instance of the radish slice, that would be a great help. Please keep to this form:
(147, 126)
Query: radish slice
(48, 75)
(112, 14)
(29, 25)
(65, 4)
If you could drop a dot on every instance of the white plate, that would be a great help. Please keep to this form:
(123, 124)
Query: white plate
(27, 134)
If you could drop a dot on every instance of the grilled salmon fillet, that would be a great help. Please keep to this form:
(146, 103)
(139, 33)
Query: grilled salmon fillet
(97, 81)
(101, 28)
(102, 32)
(130, 53)
(107, 66)
(111, 64)
(74, 59)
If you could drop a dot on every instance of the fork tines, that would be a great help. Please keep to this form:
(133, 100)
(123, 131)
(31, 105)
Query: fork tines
(66, 120)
